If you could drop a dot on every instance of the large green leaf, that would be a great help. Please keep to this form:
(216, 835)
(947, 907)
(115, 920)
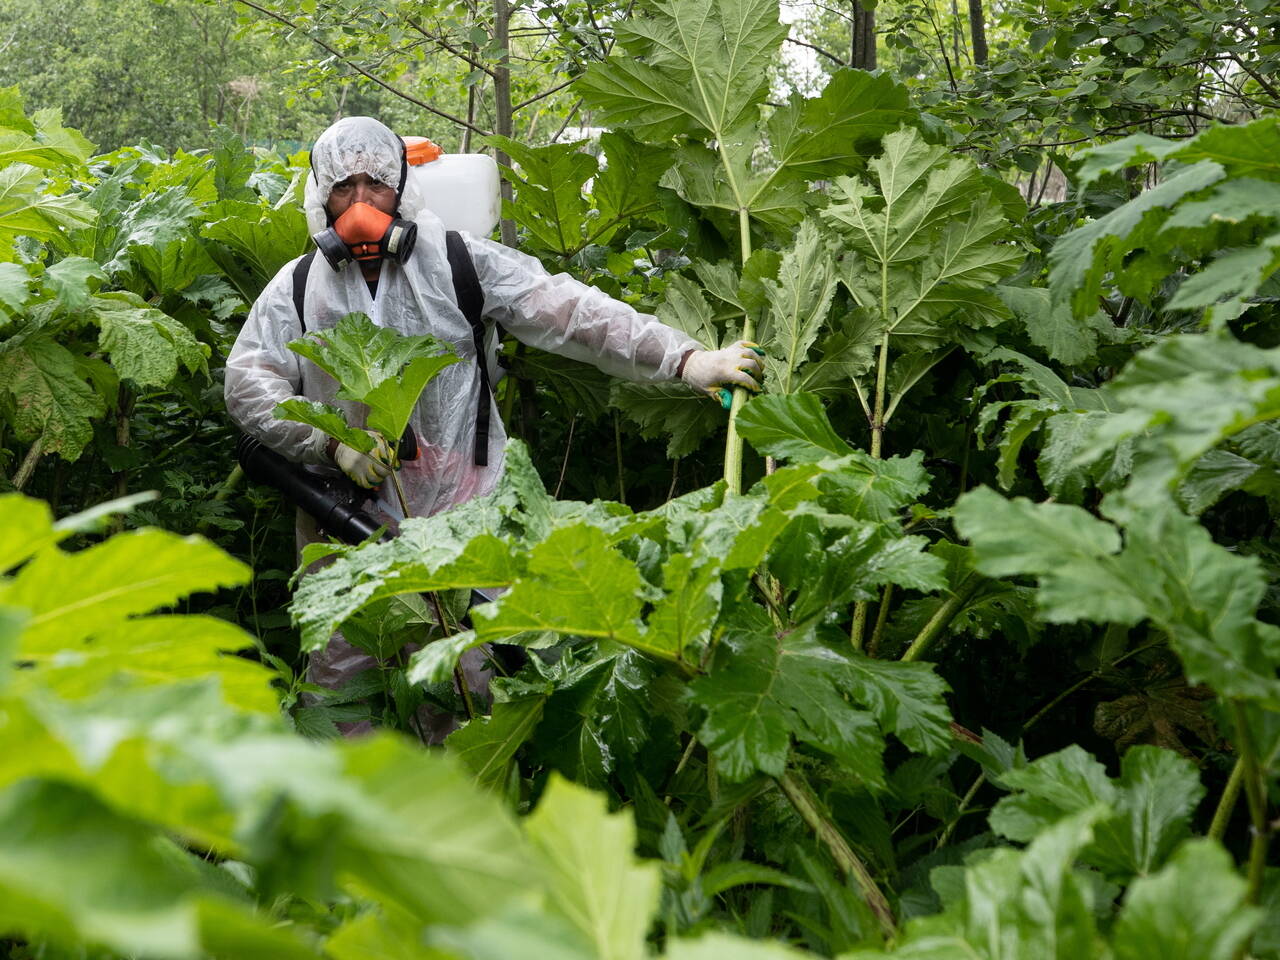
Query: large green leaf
(1176, 401)
(1169, 571)
(767, 686)
(798, 304)
(1081, 259)
(27, 210)
(595, 881)
(62, 856)
(792, 427)
(695, 68)
(575, 585)
(668, 409)
(486, 745)
(932, 235)
(72, 596)
(1153, 800)
(699, 72)
(266, 237)
(51, 401)
(145, 345)
(1193, 909)
(550, 203)
(372, 365)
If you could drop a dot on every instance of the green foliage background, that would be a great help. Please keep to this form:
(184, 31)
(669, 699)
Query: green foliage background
(960, 640)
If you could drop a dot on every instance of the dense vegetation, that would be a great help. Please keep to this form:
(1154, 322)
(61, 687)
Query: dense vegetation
(960, 640)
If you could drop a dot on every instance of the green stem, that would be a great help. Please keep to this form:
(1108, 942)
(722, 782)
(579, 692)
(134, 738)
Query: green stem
(859, 626)
(1255, 794)
(964, 805)
(811, 811)
(733, 441)
(882, 377)
(882, 618)
(28, 465)
(1227, 803)
(942, 616)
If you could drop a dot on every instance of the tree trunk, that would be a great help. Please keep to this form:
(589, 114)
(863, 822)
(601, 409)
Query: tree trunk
(978, 32)
(862, 37)
(502, 104)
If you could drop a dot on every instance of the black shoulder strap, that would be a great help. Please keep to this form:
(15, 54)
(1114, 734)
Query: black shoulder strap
(466, 288)
(300, 271)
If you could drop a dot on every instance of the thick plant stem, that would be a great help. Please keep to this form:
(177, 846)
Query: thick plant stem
(859, 626)
(1256, 795)
(877, 417)
(882, 619)
(229, 486)
(28, 465)
(1227, 803)
(811, 811)
(943, 616)
(733, 441)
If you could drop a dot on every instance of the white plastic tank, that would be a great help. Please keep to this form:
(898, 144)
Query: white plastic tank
(459, 188)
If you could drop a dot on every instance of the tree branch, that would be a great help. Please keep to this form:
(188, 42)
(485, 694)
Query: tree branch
(280, 18)
(817, 49)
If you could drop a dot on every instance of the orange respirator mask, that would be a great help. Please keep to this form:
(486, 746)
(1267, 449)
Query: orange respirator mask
(365, 233)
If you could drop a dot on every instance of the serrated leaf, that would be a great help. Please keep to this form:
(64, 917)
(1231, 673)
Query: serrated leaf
(25, 210)
(793, 427)
(50, 400)
(688, 68)
(595, 881)
(73, 280)
(1193, 909)
(1170, 571)
(150, 650)
(550, 185)
(798, 304)
(132, 573)
(930, 237)
(1052, 326)
(145, 345)
(325, 417)
(868, 488)
(575, 584)
(1080, 258)
(766, 688)
(361, 355)
(907, 698)
(486, 745)
(668, 409)
(14, 287)
(265, 237)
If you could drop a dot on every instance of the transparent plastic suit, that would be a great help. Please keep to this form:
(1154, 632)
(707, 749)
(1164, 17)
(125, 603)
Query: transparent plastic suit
(555, 313)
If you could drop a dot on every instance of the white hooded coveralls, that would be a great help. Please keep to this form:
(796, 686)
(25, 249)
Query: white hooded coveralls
(555, 313)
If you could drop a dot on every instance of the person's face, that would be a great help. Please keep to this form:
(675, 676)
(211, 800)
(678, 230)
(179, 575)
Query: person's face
(360, 187)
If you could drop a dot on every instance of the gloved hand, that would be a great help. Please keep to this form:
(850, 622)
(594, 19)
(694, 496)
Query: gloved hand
(365, 469)
(737, 364)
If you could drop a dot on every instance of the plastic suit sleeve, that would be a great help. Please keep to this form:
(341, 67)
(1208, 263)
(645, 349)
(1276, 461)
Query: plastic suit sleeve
(562, 315)
(262, 371)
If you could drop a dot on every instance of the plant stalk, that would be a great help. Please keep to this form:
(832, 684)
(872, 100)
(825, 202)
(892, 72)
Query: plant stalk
(1255, 794)
(882, 618)
(1227, 803)
(28, 465)
(733, 441)
(942, 616)
(877, 419)
(811, 811)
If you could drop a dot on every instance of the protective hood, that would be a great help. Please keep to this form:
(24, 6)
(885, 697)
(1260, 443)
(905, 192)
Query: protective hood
(350, 146)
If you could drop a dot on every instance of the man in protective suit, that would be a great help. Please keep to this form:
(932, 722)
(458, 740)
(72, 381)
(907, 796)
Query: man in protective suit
(357, 186)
